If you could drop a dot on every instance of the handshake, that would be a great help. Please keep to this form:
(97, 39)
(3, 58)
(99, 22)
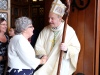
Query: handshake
(43, 59)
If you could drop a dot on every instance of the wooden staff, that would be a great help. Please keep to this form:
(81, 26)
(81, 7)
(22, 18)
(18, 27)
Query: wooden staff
(67, 3)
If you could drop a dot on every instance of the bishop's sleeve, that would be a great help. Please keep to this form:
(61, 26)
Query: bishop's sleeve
(73, 50)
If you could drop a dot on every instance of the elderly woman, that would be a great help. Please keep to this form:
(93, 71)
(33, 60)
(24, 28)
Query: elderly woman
(21, 55)
(3, 45)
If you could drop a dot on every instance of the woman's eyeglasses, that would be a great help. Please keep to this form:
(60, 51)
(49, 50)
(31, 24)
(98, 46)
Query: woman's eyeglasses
(30, 27)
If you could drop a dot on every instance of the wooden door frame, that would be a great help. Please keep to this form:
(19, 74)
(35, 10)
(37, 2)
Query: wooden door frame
(9, 16)
(97, 37)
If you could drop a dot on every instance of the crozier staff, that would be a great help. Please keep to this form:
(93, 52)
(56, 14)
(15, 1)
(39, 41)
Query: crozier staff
(67, 3)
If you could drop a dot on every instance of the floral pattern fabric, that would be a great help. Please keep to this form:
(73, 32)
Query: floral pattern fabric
(3, 52)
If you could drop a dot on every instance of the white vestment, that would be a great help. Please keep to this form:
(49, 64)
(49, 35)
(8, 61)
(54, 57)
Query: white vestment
(44, 47)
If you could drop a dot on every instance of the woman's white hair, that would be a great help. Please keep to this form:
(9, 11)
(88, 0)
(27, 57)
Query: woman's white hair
(22, 23)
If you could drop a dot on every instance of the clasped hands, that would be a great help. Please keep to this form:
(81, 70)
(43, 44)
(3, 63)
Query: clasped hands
(44, 59)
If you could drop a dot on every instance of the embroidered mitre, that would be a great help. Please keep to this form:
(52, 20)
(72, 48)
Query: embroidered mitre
(58, 7)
